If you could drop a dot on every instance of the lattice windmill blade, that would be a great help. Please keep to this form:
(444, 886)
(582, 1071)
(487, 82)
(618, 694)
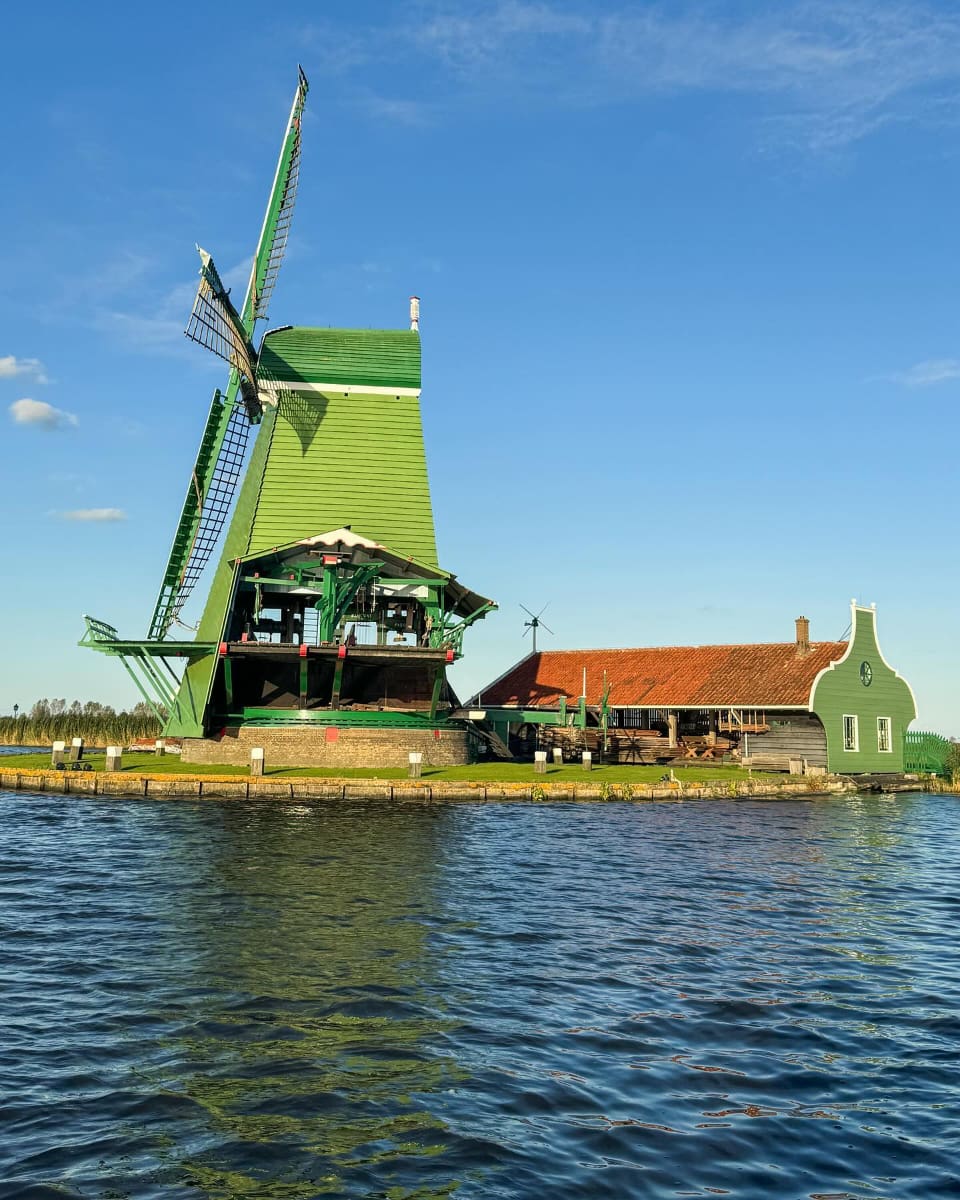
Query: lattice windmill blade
(210, 492)
(216, 324)
(276, 221)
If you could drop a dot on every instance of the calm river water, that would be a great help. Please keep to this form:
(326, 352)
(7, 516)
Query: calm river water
(742, 999)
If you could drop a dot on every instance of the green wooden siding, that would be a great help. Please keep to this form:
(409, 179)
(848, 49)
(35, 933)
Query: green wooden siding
(374, 357)
(353, 460)
(840, 691)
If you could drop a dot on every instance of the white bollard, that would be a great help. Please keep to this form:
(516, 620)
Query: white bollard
(57, 753)
(416, 764)
(587, 760)
(76, 749)
(557, 756)
(113, 758)
(159, 747)
(540, 762)
(256, 760)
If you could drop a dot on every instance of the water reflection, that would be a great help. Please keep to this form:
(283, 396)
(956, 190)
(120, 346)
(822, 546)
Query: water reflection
(311, 1047)
(230, 1000)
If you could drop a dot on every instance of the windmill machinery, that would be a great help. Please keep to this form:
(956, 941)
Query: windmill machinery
(217, 325)
(536, 622)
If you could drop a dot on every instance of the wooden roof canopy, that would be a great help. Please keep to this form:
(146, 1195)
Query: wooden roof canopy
(355, 550)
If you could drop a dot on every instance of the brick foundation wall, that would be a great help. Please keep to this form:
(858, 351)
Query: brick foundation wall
(329, 747)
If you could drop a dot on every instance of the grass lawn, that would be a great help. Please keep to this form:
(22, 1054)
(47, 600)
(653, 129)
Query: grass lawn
(492, 772)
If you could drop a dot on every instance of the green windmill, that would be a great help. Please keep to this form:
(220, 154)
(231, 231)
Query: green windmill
(328, 611)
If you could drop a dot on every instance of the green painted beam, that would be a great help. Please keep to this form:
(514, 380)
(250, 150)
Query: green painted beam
(341, 717)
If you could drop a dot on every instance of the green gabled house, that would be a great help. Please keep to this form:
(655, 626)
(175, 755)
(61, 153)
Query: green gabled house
(863, 704)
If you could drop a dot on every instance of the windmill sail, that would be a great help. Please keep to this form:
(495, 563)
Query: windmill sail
(210, 491)
(279, 214)
(216, 324)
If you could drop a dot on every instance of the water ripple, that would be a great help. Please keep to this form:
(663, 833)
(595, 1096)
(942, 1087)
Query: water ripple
(239, 999)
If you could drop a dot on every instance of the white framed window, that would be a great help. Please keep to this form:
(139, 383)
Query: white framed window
(851, 732)
(884, 735)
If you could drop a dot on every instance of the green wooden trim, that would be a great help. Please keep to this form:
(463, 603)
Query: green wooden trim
(341, 717)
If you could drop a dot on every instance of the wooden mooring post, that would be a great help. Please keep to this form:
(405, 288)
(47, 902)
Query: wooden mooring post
(540, 762)
(256, 760)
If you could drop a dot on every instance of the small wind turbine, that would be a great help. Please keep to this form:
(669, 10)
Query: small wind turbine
(534, 623)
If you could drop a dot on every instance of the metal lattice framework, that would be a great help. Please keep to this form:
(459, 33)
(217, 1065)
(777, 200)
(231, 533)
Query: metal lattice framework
(285, 187)
(209, 509)
(217, 326)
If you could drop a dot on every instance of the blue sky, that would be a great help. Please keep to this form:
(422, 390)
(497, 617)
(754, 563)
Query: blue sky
(689, 291)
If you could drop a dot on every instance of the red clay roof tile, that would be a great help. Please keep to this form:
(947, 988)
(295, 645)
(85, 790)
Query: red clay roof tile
(765, 675)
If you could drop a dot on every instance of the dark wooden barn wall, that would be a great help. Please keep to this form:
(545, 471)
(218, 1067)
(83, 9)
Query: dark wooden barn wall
(791, 735)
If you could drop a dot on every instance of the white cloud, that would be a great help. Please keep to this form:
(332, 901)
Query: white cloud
(11, 366)
(929, 373)
(95, 514)
(38, 412)
(828, 72)
(400, 110)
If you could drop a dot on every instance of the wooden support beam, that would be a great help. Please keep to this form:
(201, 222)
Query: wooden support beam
(437, 689)
(304, 678)
(337, 681)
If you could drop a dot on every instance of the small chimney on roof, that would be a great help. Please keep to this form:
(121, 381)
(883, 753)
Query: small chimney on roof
(803, 636)
(414, 312)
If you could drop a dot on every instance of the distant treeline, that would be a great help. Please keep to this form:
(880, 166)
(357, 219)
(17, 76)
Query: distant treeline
(98, 724)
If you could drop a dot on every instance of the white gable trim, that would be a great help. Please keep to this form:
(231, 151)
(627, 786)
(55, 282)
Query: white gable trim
(856, 608)
(269, 389)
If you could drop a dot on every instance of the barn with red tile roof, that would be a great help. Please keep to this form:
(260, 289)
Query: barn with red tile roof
(772, 703)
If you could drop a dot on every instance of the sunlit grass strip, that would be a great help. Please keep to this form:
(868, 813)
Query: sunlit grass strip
(151, 766)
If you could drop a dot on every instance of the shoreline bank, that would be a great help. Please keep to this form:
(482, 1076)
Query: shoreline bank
(190, 787)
